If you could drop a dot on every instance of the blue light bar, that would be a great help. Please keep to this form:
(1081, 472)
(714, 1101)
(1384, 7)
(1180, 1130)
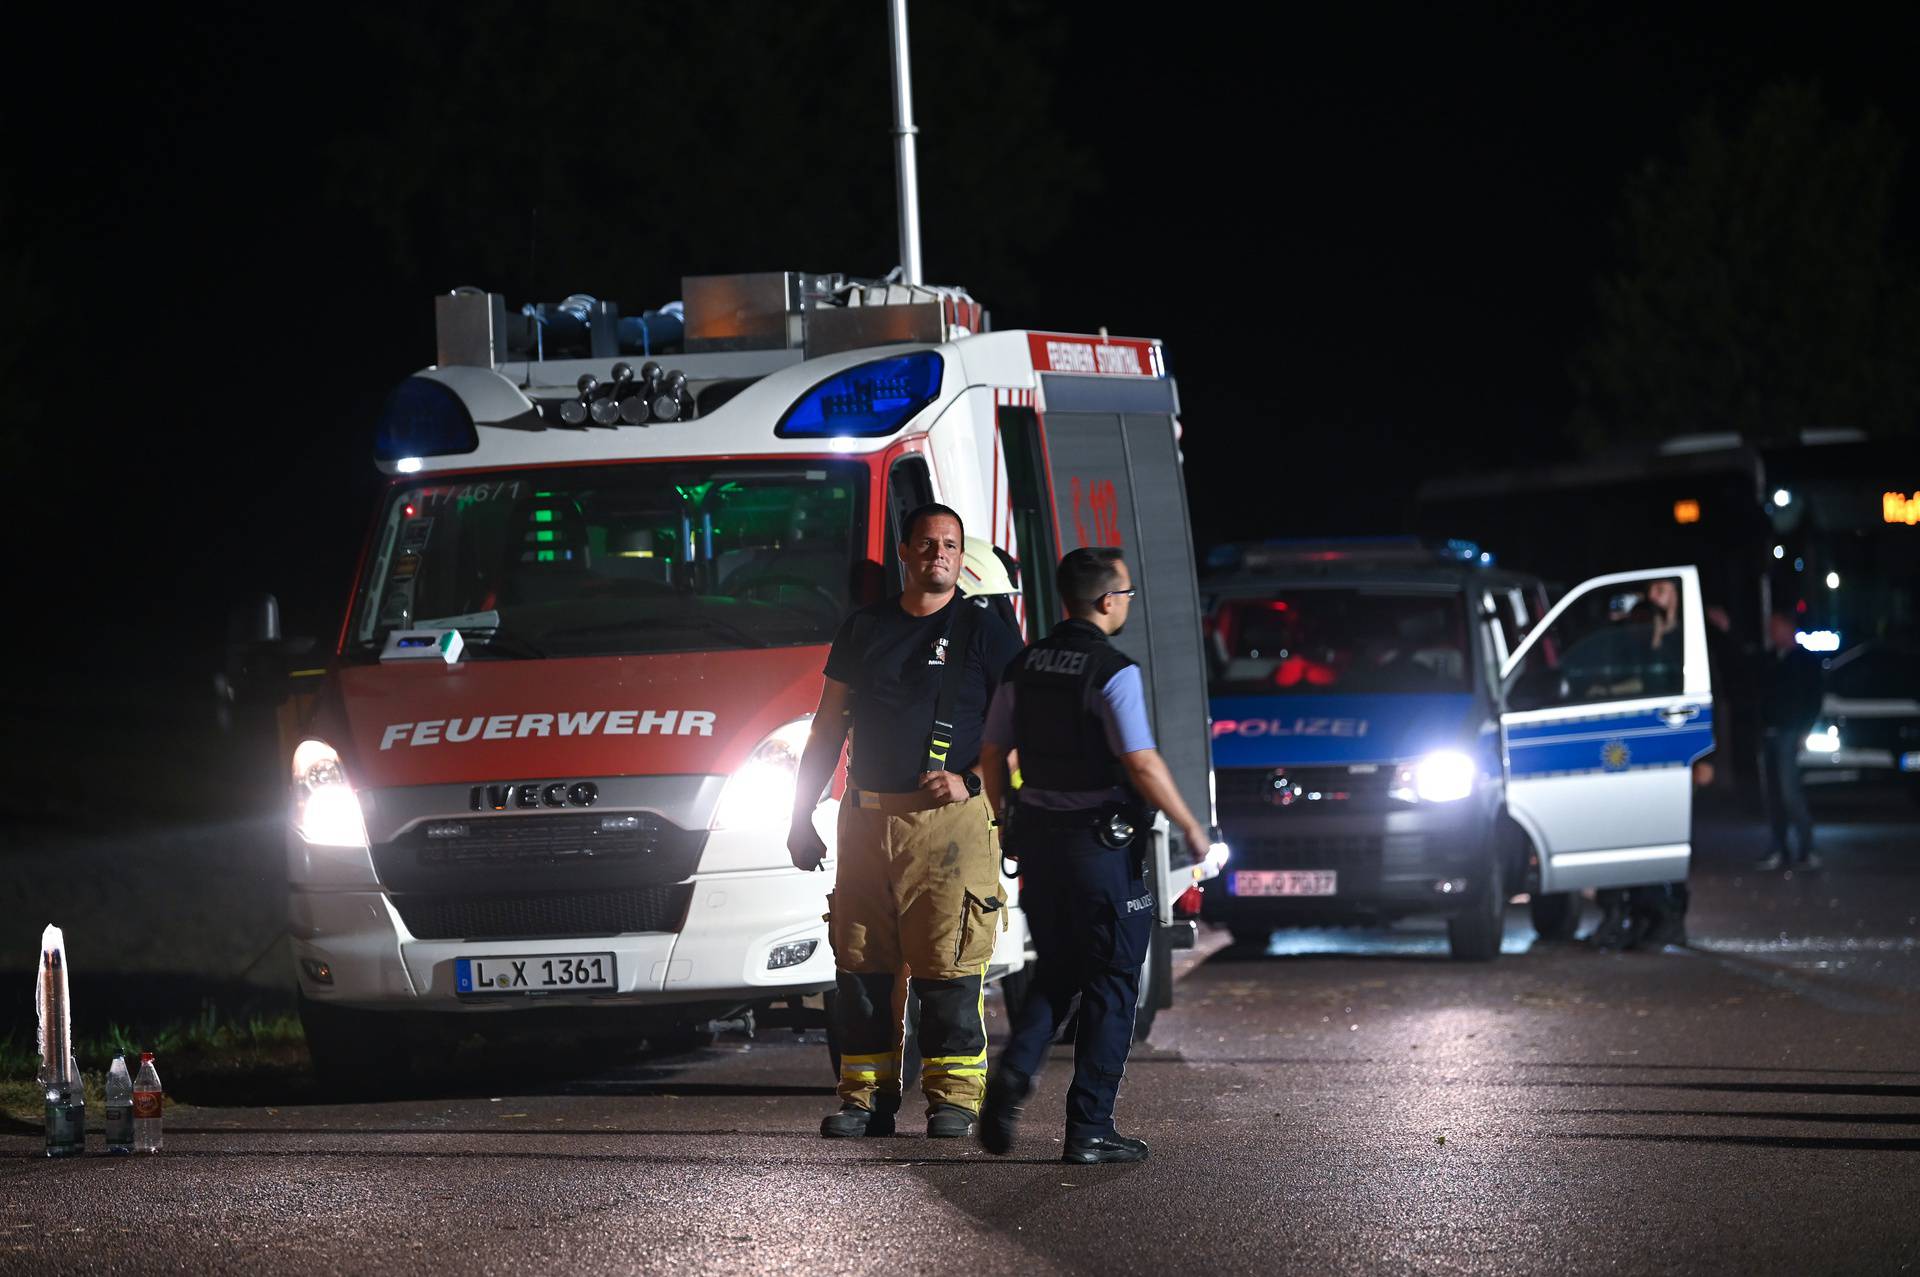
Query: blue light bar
(423, 418)
(1287, 553)
(865, 401)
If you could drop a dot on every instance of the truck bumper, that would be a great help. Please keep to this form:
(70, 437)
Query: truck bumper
(732, 923)
(1386, 865)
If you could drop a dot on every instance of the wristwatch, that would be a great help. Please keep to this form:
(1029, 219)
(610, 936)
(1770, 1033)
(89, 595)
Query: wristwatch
(972, 782)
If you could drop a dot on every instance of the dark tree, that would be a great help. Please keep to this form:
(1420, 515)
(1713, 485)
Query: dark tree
(1758, 288)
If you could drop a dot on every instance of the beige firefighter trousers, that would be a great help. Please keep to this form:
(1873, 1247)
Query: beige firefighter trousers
(915, 892)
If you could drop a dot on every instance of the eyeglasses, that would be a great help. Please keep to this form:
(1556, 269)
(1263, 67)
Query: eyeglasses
(1125, 594)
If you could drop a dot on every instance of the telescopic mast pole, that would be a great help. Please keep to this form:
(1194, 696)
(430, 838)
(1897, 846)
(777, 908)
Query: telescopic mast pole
(906, 162)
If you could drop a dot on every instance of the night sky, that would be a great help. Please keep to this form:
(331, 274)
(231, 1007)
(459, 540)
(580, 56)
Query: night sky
(1369, 240)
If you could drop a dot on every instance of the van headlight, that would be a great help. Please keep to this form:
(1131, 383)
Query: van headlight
(1444, 776)
(759, 794)
(1824, 740)
(326, 811)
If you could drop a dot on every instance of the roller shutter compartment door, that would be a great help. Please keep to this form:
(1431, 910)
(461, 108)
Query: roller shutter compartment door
(1117, 482)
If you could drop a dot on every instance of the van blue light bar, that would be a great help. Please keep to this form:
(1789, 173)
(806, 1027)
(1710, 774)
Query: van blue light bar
(422, 418)
(1352, 551)
(865, 401)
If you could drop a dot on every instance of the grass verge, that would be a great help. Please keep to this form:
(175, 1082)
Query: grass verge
(195, 1057)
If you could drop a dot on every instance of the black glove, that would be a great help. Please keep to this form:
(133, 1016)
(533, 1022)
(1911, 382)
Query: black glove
(805, 845)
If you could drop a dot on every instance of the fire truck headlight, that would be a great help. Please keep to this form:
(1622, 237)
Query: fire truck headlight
(1444, 776)
(326, 811)
(759, 794)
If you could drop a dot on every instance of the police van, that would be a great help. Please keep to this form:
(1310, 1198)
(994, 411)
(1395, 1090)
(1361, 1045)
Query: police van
(1402, 728)
(550, 760)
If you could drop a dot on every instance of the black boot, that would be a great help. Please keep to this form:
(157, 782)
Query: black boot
(1000, 1113)
(1613, 930)
(949, 1122)
(1106, 1148)
(852, 1121)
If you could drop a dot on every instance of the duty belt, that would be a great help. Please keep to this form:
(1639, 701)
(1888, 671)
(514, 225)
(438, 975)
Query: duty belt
(1115, 824)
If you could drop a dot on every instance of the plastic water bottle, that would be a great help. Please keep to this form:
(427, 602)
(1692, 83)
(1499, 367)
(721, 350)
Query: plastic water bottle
(66, 1114)
(146, 1106)
(119, 1107)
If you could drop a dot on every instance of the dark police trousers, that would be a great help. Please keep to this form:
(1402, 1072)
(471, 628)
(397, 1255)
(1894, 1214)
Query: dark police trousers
(1091, 915)
(1786, 796)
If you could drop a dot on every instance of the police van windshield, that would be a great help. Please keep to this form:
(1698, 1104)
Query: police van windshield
(1331, 641)
(656, 557)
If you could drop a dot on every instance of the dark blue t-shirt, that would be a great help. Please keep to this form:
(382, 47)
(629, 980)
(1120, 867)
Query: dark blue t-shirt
(893, 662)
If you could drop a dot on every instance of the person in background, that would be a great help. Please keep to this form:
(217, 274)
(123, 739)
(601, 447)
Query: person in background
(1790, 699)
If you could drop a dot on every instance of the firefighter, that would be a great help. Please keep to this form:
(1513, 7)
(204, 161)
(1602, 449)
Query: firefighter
(918, 872)
(1074, 707)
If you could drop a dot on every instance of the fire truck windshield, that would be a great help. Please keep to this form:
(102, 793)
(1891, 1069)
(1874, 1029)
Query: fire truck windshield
(1325, 640)
(652, 557)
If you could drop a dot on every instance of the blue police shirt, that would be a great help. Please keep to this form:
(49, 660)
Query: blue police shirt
(1122, 708)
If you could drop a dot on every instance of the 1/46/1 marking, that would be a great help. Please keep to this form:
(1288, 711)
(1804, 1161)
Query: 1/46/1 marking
(535, 973)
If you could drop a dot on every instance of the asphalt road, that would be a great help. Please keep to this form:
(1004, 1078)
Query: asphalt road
(1347, 1102)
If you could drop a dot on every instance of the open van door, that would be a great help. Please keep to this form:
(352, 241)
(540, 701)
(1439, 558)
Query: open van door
(1608, 704)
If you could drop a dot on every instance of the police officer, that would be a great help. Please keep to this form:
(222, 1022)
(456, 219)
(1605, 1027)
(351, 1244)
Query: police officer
(1791, 696)
(917, 882)
(1073, 707)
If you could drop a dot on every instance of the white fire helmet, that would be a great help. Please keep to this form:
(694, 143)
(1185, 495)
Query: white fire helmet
(981, 570)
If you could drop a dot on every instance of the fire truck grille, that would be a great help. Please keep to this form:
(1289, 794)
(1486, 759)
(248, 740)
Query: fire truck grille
(538, 853)
(543, 839)
(545, 915)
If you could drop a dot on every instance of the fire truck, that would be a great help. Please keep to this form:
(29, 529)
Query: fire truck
(549, 760)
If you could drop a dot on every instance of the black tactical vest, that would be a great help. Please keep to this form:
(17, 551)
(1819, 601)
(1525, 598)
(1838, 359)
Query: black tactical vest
(1055, 724)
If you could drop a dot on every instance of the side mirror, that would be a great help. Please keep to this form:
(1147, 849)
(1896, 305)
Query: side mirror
(255, 621)
(257, 658)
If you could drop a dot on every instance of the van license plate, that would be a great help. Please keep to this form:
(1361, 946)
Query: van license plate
(535, 973)
(1285, 882)
(1910, 761)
